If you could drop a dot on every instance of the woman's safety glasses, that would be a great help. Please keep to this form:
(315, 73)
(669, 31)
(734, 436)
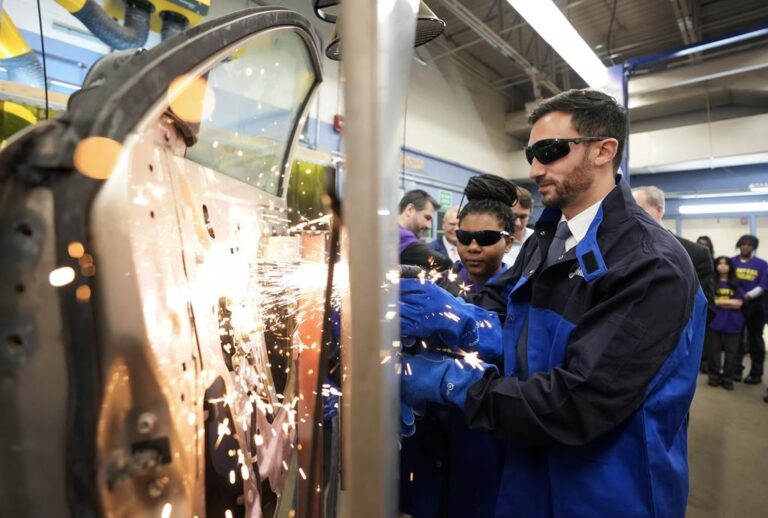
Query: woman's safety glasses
(548, 150)
(483, 237)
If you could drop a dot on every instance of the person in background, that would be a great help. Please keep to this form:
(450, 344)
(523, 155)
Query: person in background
(752, 273)
(706, 242)
(725, 328)
(417, 209)
(651, 200)
(521, 211)
(446, 244)
(603, 327)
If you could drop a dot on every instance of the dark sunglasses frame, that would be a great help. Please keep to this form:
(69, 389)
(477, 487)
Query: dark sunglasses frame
(548, 150)
(482, 237)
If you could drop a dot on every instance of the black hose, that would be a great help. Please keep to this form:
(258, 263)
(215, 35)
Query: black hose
(132, 34)
(173, 24)
(25, 69)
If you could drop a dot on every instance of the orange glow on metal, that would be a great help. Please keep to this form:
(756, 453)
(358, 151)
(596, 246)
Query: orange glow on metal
(191, 99)
(95, 157)
(75, 249)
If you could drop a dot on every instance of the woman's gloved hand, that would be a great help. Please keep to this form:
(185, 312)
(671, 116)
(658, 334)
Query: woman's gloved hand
(426, 379)
(427, 310)
(407, 420)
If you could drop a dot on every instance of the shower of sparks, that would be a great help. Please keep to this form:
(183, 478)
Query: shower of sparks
(464, 288)
(473, 360)
(451, 316)
(166, 512)
(61, 276)
(223, 430)
(303, 475)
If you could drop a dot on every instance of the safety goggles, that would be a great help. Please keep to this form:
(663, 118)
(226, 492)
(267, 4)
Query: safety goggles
(548, 150)
(483, 237)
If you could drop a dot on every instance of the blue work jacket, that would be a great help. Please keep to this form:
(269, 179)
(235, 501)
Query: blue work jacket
(601, 354)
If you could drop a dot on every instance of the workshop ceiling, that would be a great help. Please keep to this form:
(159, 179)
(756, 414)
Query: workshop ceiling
(491, 41)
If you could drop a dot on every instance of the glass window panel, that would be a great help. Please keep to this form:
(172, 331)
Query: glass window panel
(254, 98)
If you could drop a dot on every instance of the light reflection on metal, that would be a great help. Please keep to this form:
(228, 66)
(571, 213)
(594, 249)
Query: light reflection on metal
(61, 276)
(96, 157)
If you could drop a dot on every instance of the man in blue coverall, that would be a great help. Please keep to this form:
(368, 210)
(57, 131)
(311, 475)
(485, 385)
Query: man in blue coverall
(595, 336)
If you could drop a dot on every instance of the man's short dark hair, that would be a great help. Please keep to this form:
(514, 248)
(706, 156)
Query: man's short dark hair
(594, 114)
(748, 239)
(419, 199)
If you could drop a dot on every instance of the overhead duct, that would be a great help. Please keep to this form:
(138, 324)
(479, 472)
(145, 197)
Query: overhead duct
(17, 58)
(428, 27)
(499, 43)
(132, 34)
(173, 24)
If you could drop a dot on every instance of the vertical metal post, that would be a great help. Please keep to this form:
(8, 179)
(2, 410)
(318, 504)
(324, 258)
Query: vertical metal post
(377, 46)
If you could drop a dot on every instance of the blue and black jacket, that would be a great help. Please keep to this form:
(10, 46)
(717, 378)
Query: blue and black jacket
(601, 354)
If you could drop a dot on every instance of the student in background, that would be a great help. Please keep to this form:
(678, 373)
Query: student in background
(706, 242)
(725, 328)
(521, 211)
(751, 272)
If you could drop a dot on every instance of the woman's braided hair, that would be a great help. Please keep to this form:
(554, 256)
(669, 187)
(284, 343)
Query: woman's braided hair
(491, 194)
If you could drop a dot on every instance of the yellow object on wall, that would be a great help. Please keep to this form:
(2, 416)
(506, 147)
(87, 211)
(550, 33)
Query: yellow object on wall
(13, 118)
(71, 5)
(192, 10)
(12, 44)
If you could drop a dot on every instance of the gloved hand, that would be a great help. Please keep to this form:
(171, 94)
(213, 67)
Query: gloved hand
(407, 420)
(425, 380)
(330, 396)
(427, 309)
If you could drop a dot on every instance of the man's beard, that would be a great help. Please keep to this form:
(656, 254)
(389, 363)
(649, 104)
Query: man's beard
(571, 186)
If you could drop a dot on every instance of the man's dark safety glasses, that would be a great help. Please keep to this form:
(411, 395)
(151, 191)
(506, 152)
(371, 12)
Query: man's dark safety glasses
(483, 237)
(548, 150)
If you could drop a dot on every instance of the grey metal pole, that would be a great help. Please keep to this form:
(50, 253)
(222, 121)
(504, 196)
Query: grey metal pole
(377, 46)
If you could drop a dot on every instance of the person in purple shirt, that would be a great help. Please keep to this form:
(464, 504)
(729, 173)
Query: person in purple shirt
(725, 328)
(417, 209)
(752, 273)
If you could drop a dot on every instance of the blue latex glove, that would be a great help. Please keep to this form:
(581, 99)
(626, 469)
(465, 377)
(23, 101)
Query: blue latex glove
(428, 380)
(407, 420)
(426, 309)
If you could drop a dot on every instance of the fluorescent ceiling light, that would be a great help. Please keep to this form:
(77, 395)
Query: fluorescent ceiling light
(549, 22)
(725, 208)
(760, 187)
(704, 163)
(719, 194)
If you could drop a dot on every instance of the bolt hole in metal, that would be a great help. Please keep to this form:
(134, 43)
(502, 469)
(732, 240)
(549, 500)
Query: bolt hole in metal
(152, 214)
(208, 225)
(20, 288)
(146, 423)
(14, 341)
(151, 168)
(24, 229)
